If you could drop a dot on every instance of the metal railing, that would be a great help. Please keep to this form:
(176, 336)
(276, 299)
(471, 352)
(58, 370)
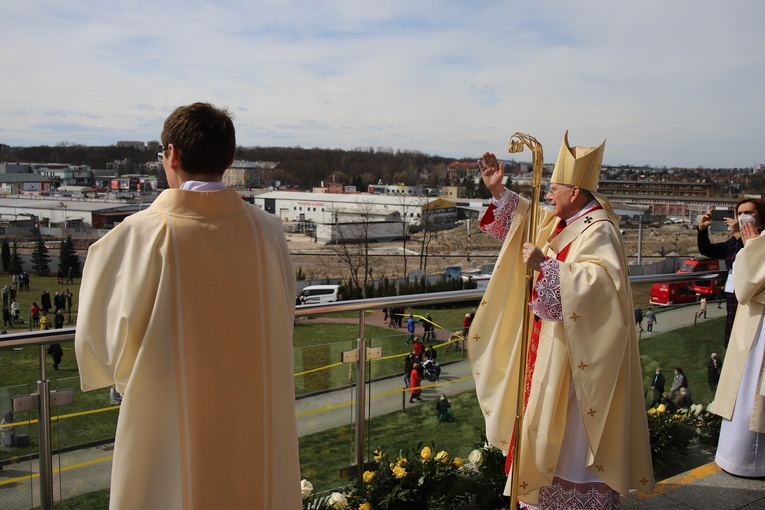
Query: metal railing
(358, 356)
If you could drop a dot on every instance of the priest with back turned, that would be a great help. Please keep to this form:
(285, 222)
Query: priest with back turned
(584, 439)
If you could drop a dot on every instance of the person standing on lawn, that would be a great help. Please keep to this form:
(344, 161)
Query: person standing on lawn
(650, 319)
(415, 380)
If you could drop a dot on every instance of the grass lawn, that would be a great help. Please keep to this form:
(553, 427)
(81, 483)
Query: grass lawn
(641, 292)
(688, 348)
(322, 454)
(319, 345)
(38, 284)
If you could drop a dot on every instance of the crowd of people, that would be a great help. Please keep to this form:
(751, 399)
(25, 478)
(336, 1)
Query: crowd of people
(38, 313)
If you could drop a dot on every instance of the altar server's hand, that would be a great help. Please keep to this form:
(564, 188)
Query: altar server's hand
(533, 256)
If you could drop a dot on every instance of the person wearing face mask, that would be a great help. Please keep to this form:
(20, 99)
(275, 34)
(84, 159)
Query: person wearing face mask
(657, 386)
(680, 381)
(714, 367)
(748, 210)
(740, 396)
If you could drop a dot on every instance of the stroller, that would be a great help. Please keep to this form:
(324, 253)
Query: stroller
(430, 370)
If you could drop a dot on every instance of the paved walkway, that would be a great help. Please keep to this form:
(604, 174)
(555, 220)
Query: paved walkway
(702, 488)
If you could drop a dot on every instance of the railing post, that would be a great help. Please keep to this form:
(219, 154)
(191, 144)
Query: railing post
(361, 376)
(43, 427)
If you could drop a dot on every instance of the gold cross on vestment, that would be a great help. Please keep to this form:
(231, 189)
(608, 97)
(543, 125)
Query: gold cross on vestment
(483, 302)
(591, 412)
(644, 480)
(582, 365)
(524, 485)
(574, 317)
(600, 468)
(487, 412)
(476, 337)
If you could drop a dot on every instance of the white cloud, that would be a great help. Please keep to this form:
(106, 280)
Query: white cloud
(667, 83)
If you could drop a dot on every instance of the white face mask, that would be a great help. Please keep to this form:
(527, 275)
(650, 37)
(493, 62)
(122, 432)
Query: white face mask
(746, 218)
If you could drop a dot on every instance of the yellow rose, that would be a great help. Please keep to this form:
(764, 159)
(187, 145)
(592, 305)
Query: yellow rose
(365, 506)
(392, 465)
(662, 408)
(652, 411)
(457, 462)
(399, 472)
(368, 476)
(443, 457)
(379, 455)
(402, 462)
(425, 453)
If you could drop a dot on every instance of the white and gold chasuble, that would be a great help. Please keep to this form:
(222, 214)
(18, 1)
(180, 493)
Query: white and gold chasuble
(749, 283)
(187, 307)
(595, 348)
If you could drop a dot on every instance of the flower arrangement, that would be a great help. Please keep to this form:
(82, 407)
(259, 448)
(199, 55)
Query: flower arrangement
(673, 432)
(322, 501)
(425, 478)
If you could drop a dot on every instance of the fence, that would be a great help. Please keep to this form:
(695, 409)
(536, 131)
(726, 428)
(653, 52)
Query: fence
(337, 410)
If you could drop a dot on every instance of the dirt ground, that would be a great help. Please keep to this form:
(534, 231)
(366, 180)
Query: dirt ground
(450, 248)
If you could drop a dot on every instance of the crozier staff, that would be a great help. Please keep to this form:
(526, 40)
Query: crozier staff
(585, 429)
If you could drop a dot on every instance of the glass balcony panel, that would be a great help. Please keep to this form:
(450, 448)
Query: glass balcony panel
(18, 437)
(82, 436)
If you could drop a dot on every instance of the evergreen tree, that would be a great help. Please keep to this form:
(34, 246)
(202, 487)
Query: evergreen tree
(68, 257)
(5, 254)
(40, 258)
(16, 266)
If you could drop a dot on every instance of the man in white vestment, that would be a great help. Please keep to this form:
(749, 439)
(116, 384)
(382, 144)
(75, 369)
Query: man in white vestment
(208, 413)
(584, 439)
(740, 399)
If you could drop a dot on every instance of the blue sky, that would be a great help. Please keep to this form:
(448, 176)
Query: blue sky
(665, 83)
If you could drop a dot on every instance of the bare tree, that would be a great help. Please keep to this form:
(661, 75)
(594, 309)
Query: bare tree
(352, 233)
(407, 207)
(429, 234)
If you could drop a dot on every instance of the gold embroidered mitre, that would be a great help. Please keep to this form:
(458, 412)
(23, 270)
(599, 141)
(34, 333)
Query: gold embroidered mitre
(578, 166)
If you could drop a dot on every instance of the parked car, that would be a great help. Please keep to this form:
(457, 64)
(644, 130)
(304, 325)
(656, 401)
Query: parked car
(711, 288)
(321, 294)
(672, 293)
(694, 265)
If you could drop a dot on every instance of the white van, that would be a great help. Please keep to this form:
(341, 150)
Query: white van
(321, 294)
